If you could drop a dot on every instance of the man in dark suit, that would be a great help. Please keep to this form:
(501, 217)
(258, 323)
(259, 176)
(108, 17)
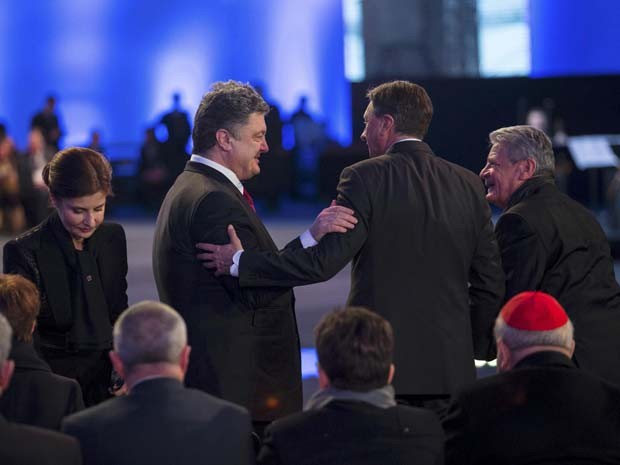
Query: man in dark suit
(540, 408)
(354, 417)
(22, 444)
(245, 341)
(424, 253)
(551, 243)
(159, 421)
(36, 396)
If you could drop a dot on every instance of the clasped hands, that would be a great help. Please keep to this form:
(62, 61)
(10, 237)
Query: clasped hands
(334, 218)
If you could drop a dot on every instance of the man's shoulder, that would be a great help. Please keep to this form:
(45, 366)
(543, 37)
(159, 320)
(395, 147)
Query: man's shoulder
(39, 442)
(354, 412)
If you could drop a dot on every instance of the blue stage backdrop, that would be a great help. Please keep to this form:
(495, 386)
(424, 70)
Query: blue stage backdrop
(114, 64)
(574, 37)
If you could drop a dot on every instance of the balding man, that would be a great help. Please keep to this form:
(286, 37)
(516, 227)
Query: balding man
(159, 421)
(540, 408)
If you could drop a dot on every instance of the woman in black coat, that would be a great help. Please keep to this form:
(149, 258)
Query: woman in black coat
(79, 265)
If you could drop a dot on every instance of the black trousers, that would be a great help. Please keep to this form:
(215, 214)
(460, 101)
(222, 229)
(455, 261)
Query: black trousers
(91, 369)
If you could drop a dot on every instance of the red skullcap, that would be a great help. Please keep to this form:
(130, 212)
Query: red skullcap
(533, 311)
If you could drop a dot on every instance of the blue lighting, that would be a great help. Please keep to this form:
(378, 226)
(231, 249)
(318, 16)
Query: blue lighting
(114, 64)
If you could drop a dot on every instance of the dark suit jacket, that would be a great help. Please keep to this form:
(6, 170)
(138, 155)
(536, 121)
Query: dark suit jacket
(424, 257)
(245, 346)
(37, 256)
(36, 396)
(161, 422)
(553, 244)
(351, 432)
(542, 411)
(28, 445)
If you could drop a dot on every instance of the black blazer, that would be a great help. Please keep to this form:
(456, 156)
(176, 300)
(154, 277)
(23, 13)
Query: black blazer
(553, 244)
(542, 411)
(161, 422)
(27, 445)
(424, 257)
(245, 346)
(36, 396)
(37, 256)
(351, 432)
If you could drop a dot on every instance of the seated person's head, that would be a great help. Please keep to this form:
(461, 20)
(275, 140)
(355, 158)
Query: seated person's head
(19, 303)
(354, 348)
(6, 365)
(531, 322)
(150, 339)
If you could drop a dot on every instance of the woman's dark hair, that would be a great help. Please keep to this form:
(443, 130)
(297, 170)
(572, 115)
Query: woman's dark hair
(76, 172)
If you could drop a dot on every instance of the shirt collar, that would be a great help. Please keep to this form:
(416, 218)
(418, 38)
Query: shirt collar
(407, 139)
(232, 177)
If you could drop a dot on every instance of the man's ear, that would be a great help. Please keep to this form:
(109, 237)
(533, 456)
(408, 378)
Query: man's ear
(117, 364)
(527, 169)
(504, 356)
(323, 378)
(184, 359)
(391, 373)
(387, 122)
(6, 371)
(223, 139)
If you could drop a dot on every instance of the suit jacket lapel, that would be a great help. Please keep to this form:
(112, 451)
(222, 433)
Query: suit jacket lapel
(55, 279)
(261, 232)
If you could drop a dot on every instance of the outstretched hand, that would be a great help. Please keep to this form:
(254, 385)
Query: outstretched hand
(334, 218)
(220, 257)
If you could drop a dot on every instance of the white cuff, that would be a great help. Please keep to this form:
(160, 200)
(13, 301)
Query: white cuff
(307, 240)
(234, 268)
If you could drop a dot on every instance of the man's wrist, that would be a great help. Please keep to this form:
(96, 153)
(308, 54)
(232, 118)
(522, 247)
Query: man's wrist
(307, 239)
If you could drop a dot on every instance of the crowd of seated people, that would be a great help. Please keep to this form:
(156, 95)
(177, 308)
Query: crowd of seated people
(540, 408)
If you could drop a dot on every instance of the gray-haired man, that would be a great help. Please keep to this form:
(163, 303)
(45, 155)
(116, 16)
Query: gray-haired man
(159, 421)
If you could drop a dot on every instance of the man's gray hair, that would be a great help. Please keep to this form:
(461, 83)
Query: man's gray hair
(522, 142)
(149, 332)
(6, 333)
(519, 339)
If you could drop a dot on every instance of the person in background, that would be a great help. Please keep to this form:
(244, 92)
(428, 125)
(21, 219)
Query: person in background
(159, 421)
(79, 265)
(354, 417)
(36, 396)
(540, 408)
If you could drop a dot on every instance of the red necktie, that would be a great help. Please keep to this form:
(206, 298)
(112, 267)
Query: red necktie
(248, 198)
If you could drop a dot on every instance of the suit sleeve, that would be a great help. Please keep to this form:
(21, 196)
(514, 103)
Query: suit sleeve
(297, 266)
(268, 454)
(523, 254)
(120, 248)
(486, 291)
(457, 442)
(16, 262)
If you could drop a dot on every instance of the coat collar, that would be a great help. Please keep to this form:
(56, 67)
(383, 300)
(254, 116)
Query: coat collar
(530, 187)
(410, 146)
(26, 358)
(156, 386)
(549, 359)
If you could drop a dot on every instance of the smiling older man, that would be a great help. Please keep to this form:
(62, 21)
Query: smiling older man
(551, 243)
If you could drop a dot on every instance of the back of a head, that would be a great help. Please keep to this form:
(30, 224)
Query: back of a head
(77, 172)
(522, 142)
(354, 348)
(6, 333)
(534, 319)
(149, 332)
(226, 106)
(19, 303)
(408, 103)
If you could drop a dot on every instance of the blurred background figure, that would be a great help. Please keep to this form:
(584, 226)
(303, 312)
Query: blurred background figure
(177, 125)
(95, 142)
(35, 198)
(47, 122)
(12, 219)
(154, 178)
(306, 151)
